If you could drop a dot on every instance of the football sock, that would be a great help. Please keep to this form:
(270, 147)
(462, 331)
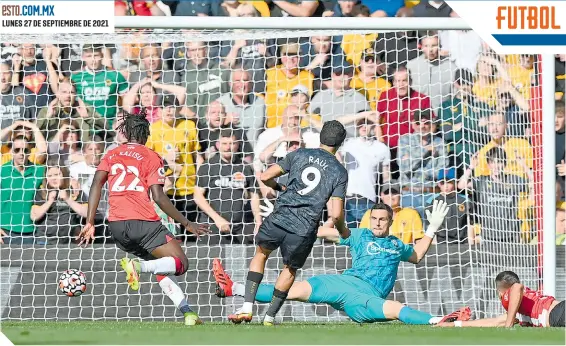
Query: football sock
(411, 316)
(277, 302)
(252, 283)
(172, 290)
(160, 266)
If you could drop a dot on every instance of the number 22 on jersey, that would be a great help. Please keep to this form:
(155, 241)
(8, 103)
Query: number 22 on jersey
(126, 173)
(311, 178)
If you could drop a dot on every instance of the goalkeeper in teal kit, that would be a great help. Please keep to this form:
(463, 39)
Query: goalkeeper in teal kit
(360, 291)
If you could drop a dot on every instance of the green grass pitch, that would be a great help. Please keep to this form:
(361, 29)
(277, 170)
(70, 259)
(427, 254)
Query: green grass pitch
(155, 333)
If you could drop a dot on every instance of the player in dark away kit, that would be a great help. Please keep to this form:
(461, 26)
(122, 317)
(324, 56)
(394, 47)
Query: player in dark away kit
(315, 178)
(133, 171)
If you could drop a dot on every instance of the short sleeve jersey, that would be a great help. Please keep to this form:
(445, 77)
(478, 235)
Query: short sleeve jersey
(376, 260)
(315, 176)
(132, 170)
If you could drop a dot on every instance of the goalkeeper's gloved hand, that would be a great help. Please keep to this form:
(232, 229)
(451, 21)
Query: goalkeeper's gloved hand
(267, 208)
(436, 217)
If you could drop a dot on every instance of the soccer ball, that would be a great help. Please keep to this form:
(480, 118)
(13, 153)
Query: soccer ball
(72, 282)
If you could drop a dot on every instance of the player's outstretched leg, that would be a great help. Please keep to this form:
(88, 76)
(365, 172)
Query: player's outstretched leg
(253, 280)
(225, 287)
(381, 309)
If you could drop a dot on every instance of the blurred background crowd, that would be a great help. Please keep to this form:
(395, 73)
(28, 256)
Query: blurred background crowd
(430, 115)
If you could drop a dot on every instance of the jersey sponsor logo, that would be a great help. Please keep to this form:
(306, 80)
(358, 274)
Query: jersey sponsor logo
(10, 112)
(214, 83)
(96, 93)
(374, 248)
(230, 183)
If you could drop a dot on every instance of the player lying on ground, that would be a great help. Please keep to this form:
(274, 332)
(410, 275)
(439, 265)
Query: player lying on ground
(132, 171)
(523, 305)
(360, 291)
(315, 178)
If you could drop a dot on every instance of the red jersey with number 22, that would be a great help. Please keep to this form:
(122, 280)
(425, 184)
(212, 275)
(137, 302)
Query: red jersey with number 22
(132, 169)
(533, 309)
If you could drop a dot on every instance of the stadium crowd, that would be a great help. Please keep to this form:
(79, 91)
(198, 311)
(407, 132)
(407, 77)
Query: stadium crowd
(430, 115)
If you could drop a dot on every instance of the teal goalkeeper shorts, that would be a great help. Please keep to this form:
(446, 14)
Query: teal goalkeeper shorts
(349, 294)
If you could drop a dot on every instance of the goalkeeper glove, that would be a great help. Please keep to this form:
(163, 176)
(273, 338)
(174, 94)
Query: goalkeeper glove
(436, 217)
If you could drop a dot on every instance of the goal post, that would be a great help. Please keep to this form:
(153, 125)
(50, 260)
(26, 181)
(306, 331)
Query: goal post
(451, 275)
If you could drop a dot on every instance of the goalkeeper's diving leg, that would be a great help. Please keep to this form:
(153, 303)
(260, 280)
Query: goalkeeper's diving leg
(342, 293)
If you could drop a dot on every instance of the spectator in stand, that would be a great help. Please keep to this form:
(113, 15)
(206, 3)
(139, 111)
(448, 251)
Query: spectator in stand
(464, 112)
(398, 46)
(455, 227)
(273, 144)
(225, 184)
(491, 77)
(396, 105)
(295, 8)
(147, 94)
(68, 58)
(193, 8)
(432, 74)
(67, 105)
(216, 120)
(19, 179)
(244, 107)
(318, 55)
(204, 80)
(368, 80)
(514, 148)
(281, 79)
(354, 45)
(83, 171)
(340, 99)
(560, 71)
(516, 109)
(33, 136)
(175, 139)
(367, 160)
(38, 76)
(432, 8)
(97, 85)
(521, 73)
(498, 196)
(65, 146)
(254, 55)
(228, 8)
(14, 105)
(462, 47)
(407, 223)
(137, 8)
(560, 127)
(387, 8)
(155, 71)
(57, 208)
(421, 156)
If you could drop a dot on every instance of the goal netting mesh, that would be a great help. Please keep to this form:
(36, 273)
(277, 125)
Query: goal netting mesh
(429, 115)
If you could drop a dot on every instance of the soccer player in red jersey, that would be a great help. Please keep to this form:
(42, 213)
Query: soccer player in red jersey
(524, 306)
(133, 171)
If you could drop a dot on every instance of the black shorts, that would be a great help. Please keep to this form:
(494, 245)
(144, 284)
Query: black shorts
(556, 318)
(139, 237)
(294, 248)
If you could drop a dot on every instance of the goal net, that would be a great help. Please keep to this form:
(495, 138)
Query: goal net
(430, 115)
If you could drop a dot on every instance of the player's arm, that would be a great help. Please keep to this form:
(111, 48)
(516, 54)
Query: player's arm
(435, 219)
(515, 298)
(163, 202)
(269, 175)
(329, 233)
(336, 217)
(498, 321)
